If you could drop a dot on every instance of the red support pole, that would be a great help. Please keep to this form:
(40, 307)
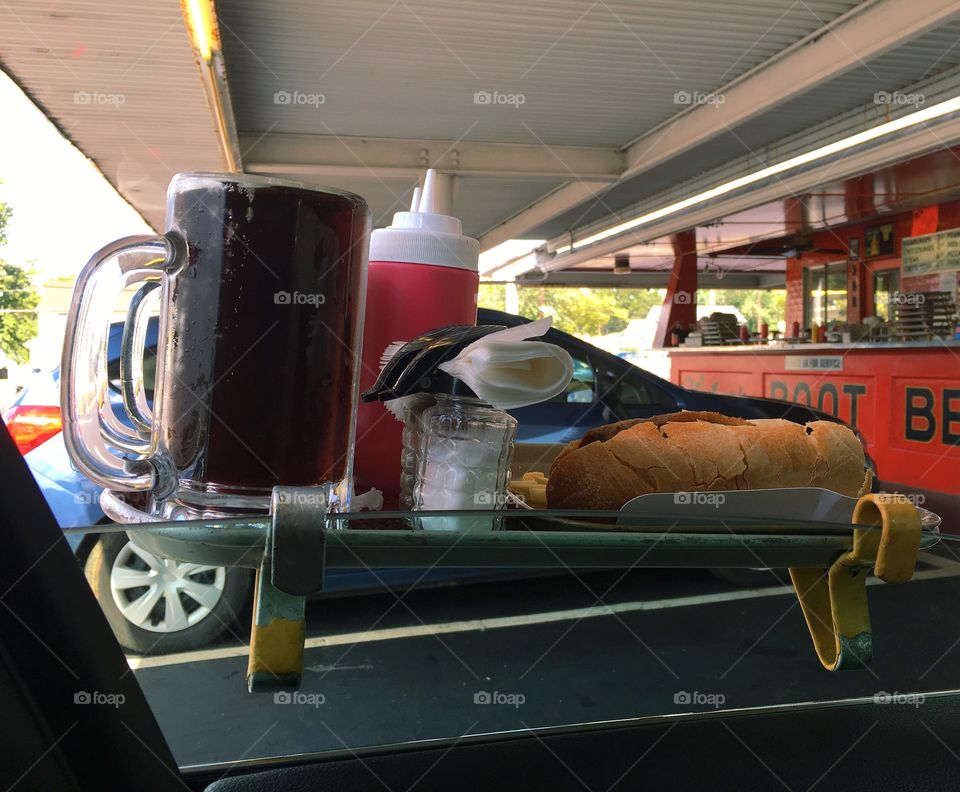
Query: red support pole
(680, 304)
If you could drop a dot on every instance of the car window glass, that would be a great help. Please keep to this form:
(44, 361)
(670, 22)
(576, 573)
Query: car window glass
(582, 387)
(640, 394)
(149, 372)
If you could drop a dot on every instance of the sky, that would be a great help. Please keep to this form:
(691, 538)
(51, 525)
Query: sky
(63, 208)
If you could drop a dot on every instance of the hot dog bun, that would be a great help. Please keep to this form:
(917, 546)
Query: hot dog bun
(695, 451)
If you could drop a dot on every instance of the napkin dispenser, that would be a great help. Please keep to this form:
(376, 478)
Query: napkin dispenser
(450, 388)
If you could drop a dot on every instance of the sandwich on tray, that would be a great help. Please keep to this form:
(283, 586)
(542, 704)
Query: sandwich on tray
(703, 451)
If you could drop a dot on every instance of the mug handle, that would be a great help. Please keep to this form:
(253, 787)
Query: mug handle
(102, 447)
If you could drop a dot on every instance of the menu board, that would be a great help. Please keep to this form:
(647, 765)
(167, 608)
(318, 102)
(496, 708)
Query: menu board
(931, 254)
(936, 281)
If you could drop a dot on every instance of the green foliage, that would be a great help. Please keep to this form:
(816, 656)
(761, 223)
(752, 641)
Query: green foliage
(492, 296)
(580, 311)
(18, 322)
(18, 298)
(5, 213)
(592, 312)
(638, 302)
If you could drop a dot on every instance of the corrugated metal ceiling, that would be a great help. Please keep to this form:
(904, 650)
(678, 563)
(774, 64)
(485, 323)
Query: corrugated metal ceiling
(479, 200)
(597, 74)
(928, 55)
(591, 74)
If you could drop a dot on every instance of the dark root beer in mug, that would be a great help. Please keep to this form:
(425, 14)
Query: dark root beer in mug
(261, 285)
(262, 336)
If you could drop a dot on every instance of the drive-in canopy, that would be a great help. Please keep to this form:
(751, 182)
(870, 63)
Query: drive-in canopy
(600, 126)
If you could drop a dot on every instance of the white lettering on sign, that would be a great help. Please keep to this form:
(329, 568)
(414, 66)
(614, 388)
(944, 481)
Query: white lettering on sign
(931, 253)
(796, 363)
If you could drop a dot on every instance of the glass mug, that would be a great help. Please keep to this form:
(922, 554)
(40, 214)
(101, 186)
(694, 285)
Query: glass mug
(261, 284)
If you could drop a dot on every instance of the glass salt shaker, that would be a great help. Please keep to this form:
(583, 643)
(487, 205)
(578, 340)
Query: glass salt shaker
(462, 461)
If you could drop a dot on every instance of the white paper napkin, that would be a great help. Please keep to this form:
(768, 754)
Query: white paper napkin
(508, 371)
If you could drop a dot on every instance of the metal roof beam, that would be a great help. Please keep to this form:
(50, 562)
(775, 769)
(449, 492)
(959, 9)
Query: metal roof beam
(546, 208)
(332, 155)
(849, 41)
(853, 40)
(916, 141)
(651, 279)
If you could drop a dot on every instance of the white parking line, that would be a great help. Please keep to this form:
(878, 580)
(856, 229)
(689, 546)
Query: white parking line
(939, 561)
(945, 568)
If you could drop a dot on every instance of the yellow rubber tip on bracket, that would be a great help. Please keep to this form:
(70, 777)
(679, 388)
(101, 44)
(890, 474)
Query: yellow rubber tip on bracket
(834, 601)
(276, 638)
(276, 654)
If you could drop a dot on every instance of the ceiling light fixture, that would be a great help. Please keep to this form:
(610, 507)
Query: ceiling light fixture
(888, 128)
(201, 21)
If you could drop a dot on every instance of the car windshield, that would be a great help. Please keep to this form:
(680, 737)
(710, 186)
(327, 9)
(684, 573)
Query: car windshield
(325, 505)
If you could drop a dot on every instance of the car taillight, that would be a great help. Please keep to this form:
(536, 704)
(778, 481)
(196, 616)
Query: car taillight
(29, 426)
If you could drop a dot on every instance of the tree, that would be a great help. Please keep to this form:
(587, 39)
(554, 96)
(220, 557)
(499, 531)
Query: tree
(18, 301)
(638, 302)
(593, 312)
(5, 213)
(580, 311)
(492, 296)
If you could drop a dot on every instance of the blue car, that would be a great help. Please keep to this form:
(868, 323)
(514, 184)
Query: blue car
(606, 388)
(159, 605)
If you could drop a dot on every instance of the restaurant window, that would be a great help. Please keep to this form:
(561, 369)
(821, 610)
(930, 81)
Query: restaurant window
(814, 287)
(885, 283)
(836, 297)
(825, 294)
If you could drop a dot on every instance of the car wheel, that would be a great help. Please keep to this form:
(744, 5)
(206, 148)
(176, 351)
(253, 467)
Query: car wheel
(156, 605)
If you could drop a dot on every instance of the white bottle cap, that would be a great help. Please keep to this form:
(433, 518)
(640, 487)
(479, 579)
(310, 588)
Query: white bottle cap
(424, 236)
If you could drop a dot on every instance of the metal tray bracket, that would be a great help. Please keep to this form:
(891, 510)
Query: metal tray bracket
(297, 532)
(834, 600)
(829, 550)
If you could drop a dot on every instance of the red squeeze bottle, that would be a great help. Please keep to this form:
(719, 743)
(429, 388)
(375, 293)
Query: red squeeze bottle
(423, 274)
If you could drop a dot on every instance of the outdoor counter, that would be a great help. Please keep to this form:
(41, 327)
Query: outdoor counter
(825, 347)
(904, 397)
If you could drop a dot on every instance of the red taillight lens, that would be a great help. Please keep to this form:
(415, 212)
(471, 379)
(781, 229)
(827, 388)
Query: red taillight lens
(29, 426)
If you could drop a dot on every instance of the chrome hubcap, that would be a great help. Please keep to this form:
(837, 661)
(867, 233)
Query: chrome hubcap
(160, 594)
